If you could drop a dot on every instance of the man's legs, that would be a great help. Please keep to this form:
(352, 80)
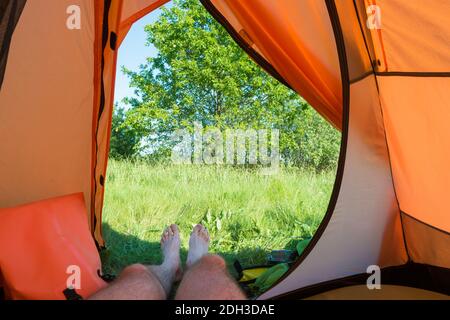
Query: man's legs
(207, 277)
(138, 282)
(135, 282)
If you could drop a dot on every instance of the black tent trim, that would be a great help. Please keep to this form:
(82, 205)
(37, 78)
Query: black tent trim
(345, 78)
(10, 12)
(260, 60)
(411, 274)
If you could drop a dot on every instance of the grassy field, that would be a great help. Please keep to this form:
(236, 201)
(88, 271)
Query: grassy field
(247, 214)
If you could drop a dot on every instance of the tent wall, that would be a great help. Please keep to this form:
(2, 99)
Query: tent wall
(365, 227)
(414, 83)
(415, 35)
(46, 104)
(417, 112)
(426, 244)
(56, 116)
(366, 208)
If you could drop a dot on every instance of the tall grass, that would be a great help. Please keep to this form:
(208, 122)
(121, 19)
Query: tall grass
(247, 214)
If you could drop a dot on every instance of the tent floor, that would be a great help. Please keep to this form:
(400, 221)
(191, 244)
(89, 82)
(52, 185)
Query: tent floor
(387, 292)
(411, 275)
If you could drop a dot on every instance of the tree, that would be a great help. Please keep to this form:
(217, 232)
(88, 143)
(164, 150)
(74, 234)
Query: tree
(124, 140)
(201, 75)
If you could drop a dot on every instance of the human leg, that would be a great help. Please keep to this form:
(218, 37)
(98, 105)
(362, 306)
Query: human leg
(207, 277)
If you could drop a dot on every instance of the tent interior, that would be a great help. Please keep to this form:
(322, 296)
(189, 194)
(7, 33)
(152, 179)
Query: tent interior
(383, 81)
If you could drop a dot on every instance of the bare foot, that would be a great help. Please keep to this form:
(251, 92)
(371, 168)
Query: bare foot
(198, 245)
(170, 246)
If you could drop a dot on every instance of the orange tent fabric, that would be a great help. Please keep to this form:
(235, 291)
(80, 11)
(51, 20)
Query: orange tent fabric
(300, 47)
(43, 244)
(132, 11)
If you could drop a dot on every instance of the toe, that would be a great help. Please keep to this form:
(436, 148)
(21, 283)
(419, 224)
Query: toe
(165, 235)
(204, 234)
(197, 229)
(174, 229)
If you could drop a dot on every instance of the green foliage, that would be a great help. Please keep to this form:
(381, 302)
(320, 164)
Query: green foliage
(315, 145)
(124, 140)
(201, 75)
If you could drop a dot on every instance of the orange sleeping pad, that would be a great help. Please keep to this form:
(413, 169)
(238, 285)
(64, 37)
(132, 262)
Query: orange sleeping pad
(46, 248)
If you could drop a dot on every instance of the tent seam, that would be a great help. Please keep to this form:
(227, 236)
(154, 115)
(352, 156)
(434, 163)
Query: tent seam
(424, 223)
(384, 128)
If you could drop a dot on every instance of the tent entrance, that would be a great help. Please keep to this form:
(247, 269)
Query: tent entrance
(360, 63)
(262, 191)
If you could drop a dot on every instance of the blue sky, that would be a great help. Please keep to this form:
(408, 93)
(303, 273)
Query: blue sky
(133, 52)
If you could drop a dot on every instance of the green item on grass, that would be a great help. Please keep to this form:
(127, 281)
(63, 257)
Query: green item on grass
(269, 277)
(301, 245)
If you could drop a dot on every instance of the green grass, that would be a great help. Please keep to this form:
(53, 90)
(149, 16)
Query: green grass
(247, 214)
